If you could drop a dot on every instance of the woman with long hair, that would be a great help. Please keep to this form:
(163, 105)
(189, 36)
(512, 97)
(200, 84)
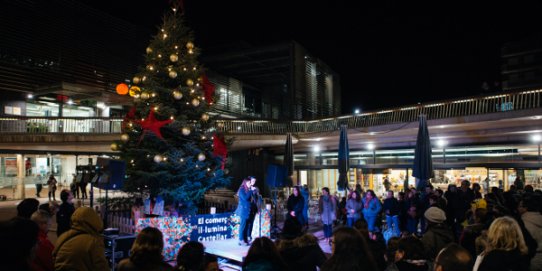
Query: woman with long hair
(505, 250)
(146, 252)
(243, 210)
(295, 205)
(327, 210)
(353, 208)
(263, 255)
(349, 252)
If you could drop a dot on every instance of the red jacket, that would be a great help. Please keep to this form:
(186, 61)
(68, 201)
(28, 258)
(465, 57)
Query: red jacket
(43, 260)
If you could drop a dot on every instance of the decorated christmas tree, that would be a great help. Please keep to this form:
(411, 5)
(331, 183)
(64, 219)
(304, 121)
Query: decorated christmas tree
(169, 142)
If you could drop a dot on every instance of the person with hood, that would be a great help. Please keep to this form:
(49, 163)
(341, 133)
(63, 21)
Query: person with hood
(528, 208)
(82, 247)
(438, 235)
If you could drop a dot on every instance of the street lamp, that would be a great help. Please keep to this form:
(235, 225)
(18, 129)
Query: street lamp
(356, 111)
(442, 143)
(537, 139)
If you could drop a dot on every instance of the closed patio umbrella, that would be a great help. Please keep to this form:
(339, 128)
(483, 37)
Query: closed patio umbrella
(289, 160)
(423, 163)
(344, 159)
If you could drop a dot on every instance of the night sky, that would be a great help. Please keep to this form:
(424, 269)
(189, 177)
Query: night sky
(388, 54)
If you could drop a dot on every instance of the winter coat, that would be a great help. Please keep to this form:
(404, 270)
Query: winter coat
(533, 223)
(356, 205)
(435, 238)
(501, 260)
(327, 209)
(373, 209)
(391, 207)
(243, 207)
(63, 217)
(82, 247)
(296, 204)
(43, 261)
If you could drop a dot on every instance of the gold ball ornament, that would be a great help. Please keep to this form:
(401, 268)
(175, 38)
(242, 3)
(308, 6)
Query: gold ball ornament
(201, 157)
(190, 51)
(114, 147)
(134, 90)
(158, 158)
(173, 57)
(124, 137)
(190, 45)
(136, 80)
(172, 74)
(205, 117)
(177, 95)
(189, 82)
(149, 50)
(195, 102)
(145, 95)
(185, 131)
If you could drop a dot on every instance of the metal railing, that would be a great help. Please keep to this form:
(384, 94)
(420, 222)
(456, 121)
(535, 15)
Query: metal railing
(478, 105)
(47, 125)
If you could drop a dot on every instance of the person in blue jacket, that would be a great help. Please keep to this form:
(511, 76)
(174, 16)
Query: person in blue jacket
(371, 209)
(306, 198)
(243, 210)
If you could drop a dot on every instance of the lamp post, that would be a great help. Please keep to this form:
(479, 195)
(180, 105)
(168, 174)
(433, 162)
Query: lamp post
(442, 143)
(316, 150)
(371, 147)
(537, 139)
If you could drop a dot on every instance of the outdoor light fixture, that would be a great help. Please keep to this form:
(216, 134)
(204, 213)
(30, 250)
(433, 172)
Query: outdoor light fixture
(70, 101)
(442, 143)
(356, 111)
(30, 96)
(537, 138)
(371, 147)
(316, 148)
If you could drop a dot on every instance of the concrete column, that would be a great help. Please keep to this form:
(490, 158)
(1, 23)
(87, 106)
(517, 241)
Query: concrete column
(20, 177)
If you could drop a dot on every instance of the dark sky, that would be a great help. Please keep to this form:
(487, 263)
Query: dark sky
(387, 53)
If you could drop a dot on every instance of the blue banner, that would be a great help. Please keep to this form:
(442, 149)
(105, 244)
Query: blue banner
(211, 227)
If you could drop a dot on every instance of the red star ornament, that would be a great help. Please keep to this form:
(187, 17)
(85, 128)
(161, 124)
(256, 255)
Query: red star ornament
(151, 124)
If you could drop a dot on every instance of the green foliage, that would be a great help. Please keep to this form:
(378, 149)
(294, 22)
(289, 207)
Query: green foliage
(182, 176)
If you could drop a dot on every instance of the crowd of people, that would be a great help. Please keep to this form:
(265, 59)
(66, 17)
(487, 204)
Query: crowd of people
(461, 229)
(496, 230)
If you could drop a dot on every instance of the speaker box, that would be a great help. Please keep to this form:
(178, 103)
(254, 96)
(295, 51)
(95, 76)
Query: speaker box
(109, 173)
(276, 176)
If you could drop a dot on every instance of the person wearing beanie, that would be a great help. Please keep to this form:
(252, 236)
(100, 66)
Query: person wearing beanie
(438, 235)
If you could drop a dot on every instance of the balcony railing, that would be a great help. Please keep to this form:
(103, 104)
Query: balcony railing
(502, 102)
